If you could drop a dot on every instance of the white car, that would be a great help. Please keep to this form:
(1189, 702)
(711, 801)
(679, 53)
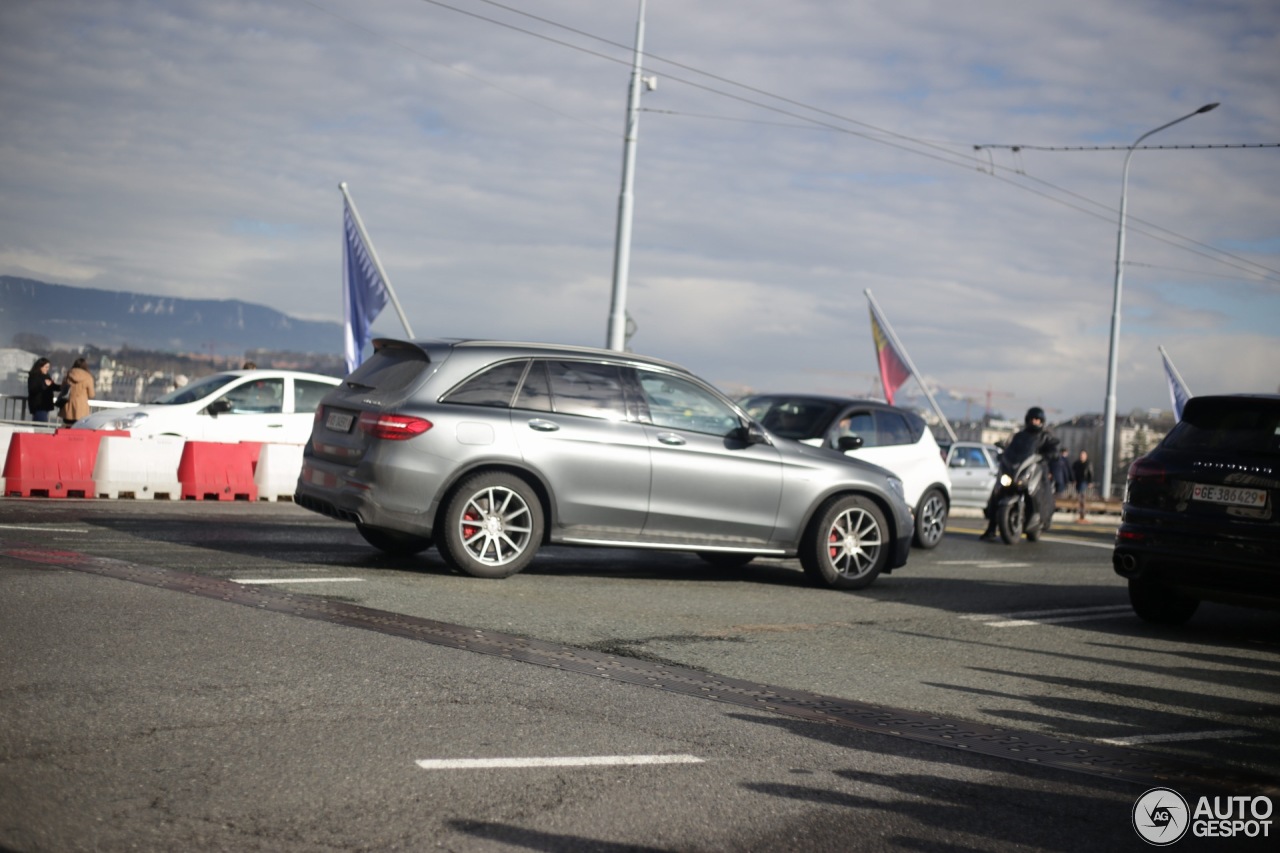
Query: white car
(274, 406)
(893, 438)
(974, 468)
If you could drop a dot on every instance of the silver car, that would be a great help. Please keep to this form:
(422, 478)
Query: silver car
(489, 450)
(973, 468)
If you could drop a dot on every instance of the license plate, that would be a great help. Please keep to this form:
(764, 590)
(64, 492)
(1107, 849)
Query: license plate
(339, 421)
(1232, 495)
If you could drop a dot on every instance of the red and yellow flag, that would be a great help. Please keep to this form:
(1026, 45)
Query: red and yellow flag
(893, 367)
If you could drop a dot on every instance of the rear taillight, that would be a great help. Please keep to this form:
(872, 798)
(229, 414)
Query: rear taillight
(392, 427)
(1146, 470)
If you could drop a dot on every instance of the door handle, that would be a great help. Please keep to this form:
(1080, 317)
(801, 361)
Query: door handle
(670, 438)
(543, 426)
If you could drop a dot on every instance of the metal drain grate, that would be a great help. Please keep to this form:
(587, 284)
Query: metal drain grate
(1041, 750)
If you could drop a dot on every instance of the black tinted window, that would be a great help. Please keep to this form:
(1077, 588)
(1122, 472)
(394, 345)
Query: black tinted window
(584, 388)
(535, 393)
(860, 424)
(390, 368)
(892, 428)
(1237, 425)
(492, 387)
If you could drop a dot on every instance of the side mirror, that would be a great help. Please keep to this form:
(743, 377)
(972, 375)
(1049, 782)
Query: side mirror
(218, 407)
(960, 462)
(751, 433)
(846, 443)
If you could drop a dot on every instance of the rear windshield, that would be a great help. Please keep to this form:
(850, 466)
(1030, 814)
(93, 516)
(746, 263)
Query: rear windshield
(1245, 426)
(391, 368)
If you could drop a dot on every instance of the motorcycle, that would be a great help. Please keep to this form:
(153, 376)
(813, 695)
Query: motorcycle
(1024, 499)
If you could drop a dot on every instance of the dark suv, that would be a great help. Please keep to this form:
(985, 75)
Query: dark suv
(1200, 520)
(489, 450)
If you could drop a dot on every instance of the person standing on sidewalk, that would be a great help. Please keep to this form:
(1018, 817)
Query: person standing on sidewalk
(1082, 476)
(78, 386)
(41, 390)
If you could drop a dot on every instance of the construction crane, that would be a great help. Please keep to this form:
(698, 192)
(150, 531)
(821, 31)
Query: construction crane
(962, 394)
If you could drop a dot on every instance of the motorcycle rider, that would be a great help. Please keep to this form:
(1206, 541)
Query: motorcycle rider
(1032, 438)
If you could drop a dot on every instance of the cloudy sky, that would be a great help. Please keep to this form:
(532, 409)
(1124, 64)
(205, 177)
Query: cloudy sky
(792, 156)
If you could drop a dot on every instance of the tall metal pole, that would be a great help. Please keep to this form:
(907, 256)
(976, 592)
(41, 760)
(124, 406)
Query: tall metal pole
(1109, 415)
(617, 339)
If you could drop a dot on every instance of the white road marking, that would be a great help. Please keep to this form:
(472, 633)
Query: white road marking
(580, 761)
(1184, 736)
(985, 564)
(1022, 623)
(1106, 546)
(43, 529)
(1049, 617)
(295, 580)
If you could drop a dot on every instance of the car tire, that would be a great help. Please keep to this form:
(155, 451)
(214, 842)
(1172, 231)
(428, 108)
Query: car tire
(726, 559)
(1156, 604)
(394, 542)
(847, 544)
(931, 519)
(492, 525)
(1010, 519)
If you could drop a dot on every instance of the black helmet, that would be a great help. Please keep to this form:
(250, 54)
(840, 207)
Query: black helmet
(1035, 413)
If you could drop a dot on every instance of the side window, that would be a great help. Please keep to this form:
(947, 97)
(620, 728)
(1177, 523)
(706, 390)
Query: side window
(492, 387)
(588, 389)
(892, 428)
(308, 393)
(257, 397)
(679, 404)
(535, 393)
(860, 424)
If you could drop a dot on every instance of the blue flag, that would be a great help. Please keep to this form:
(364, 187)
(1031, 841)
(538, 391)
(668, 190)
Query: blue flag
(1177, 388)
(364, 290)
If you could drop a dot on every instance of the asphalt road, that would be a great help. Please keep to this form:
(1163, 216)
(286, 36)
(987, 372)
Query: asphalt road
(201, 676)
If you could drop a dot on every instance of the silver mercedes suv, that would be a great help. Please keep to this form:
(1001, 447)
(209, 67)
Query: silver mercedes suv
(491, 449)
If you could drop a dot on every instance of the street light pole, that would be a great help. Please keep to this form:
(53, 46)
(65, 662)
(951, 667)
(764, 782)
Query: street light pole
(1109, 416)
(622, 244)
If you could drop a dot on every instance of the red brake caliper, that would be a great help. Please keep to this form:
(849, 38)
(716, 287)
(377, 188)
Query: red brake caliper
(469, 530)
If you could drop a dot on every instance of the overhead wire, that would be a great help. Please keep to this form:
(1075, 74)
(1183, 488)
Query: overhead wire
(883, 136)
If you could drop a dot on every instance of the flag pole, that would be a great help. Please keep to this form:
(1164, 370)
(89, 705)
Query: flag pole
(888, 330)
(373, 256)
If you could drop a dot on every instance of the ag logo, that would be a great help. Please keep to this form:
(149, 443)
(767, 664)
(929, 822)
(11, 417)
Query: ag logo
(1161, 816)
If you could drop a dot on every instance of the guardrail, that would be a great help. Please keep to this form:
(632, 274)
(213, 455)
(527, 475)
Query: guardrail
(14, 408)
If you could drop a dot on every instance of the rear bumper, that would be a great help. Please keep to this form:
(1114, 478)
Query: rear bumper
(327, 490)
(1210, 566)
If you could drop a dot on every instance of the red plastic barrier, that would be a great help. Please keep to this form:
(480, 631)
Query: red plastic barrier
(212, 471)
(53, 465)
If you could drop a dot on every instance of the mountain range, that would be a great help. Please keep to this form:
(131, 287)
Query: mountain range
(73, 317)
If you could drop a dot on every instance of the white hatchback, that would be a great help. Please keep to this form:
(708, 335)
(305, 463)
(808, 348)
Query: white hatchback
(275, 406)
(895, 439)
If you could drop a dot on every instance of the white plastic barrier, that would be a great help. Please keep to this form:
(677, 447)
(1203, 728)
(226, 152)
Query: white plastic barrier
(277, 473)
(6, 433)
(143, 468)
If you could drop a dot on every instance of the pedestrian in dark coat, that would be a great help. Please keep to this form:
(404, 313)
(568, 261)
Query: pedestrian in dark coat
(1061, 470)
(41, 390)
(1082, 476)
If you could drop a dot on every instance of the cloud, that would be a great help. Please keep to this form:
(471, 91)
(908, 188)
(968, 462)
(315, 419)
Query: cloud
(193, 149)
